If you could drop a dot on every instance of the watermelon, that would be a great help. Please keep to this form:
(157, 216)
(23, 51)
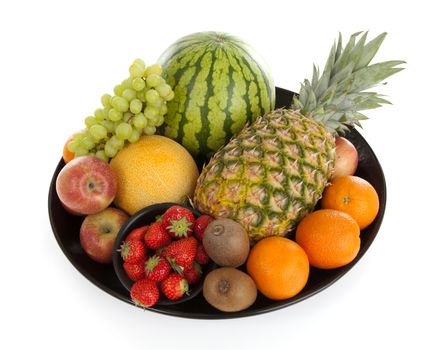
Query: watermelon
(220, 84)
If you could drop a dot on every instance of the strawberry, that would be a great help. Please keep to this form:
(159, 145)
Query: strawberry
(137, 234)
(201, 224)
(156, 236)
(181, 252)
(201, 256)
(144, 293)
(193, 273)
(135, 271)
(174, 286)
(157, 268)
(133, 251)
(178, 221)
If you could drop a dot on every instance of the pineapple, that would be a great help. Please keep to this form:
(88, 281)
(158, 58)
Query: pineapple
(270, 175)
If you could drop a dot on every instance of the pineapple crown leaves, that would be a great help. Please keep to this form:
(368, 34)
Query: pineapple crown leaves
(337, 96)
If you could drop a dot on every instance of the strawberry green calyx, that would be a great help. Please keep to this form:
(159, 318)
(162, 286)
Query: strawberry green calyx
(125, 250)
(180, 228)
(177, 268)
(152, 262)
(184, 287)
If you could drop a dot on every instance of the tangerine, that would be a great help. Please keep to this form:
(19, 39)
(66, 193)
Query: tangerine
(354, 196)
(279, 267)
(68, 155)
(330, 238)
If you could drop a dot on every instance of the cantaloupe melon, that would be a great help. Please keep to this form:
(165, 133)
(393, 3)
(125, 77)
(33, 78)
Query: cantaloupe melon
(153, 170)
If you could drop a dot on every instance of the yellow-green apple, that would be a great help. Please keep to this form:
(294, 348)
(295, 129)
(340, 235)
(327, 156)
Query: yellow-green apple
(86, 185)
(346, 159)
(98, 233)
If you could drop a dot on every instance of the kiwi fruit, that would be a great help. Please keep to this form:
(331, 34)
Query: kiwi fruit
(226, 242)
(229, 289)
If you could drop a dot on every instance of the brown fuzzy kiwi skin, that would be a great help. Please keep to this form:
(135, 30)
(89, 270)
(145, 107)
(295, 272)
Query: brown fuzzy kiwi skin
(229, 289)
(226, 242)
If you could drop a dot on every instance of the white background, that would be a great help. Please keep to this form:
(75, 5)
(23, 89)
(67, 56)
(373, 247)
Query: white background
(58, 58)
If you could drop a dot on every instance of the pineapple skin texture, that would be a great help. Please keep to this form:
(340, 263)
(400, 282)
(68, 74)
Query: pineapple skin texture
(270, 175)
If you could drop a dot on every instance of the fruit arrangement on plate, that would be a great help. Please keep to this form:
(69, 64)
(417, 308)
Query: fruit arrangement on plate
(264, 191)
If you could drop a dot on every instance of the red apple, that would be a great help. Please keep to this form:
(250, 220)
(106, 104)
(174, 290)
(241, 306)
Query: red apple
(346, 158)
(86, 185)
(98, 233)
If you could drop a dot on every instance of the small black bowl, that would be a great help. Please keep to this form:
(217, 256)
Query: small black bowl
(144, 217)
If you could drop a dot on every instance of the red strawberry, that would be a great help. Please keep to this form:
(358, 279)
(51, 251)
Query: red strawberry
(193, 273)
(201, 224)
(156, 236)
(133, 251)
(181, 252)
(135, 271)
(144, 293)
(137, 234)
(174, 286)
(201, 256)
(157, 268)
(178, 221)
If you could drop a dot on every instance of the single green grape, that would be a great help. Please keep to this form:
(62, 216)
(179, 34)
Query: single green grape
(90, 121)
(149, 130)
(115, 115)
(81, 151)
(119, 103)
(153, 121)
(153, 69)
(170, 96)
(140, 62)
(98, 131)
(127, 116)
(151, 112)
(154, 80)
(99, 114)
(88, 142)
(141, 95)
(109, 150)
(163, 89)
(158, 103)
(135, 106)
(152, 96)
(118, 90)
(137, 69)
(123, 131)
(160, 120)
(163, 109)
(116, 143)
(106, 111)
(129, 94)
(108, 124)
(73, 145)
(102, 155)
(139, 121)
(138, 84)
(105, 100)
(79, 136)
(135, 136)
(126, 84)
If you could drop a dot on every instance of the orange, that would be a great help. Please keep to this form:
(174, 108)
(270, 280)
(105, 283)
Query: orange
(279, 267)
(68, 155)
(354, 196)
(330, 238)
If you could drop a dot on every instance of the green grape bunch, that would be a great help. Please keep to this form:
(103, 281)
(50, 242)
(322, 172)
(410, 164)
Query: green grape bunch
(137, 108)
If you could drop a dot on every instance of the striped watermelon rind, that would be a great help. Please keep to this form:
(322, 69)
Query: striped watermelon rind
(220, 84)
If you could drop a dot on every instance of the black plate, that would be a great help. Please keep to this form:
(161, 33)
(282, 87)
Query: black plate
(66, 231)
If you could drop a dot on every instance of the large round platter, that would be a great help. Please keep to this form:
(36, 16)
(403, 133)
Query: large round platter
(66, 231)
